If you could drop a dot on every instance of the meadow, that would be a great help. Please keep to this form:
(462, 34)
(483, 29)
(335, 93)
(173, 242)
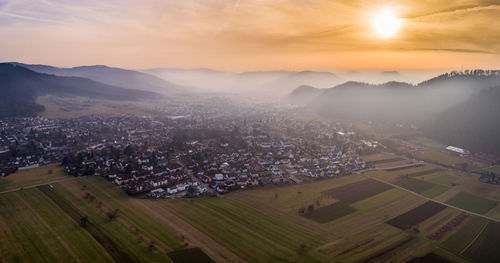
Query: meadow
(260, 225)
(439, 157)
(32, 176)
(472, 203)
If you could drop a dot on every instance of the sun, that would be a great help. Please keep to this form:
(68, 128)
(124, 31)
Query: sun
(386, 24)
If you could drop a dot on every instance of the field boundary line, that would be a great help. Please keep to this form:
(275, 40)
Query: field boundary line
(474, 239)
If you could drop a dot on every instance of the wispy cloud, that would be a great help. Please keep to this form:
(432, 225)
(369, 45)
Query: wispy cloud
(201, 33)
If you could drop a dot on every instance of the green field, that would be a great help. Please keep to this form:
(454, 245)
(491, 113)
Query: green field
(32, 176)
(460, 239)
(495, 169)
(428, 142)
(441, 179)
(44, 224)
(439, 157)
(33, 229)
(248, 232)
(472, 203)
(485, 247)
(422, 187)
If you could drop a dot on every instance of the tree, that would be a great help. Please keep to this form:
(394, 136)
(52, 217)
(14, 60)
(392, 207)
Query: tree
(84, 221)
(128, 150)
(151, 245)
(303, 247)
(113, 214)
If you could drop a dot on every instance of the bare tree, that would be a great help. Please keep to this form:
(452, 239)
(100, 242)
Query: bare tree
(310, 208)
(84, 221)
(303, 247)
(113, 214)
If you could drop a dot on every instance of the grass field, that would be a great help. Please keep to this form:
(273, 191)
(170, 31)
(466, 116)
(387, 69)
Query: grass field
(346, 194)
(136, 233)
(495, 212)
(428, 142)
(377, 157)
(495, 169)
(34, 229)
(422, 187)
(485, 247)
(472, 203)
(32, 176)
(246, 231)
(439, 157)
(73, 107)
(457, 242)
(445, 179)
(262, 225)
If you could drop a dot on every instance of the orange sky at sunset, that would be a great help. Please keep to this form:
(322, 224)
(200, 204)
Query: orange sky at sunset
(251, 35)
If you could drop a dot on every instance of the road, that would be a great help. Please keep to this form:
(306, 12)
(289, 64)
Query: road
(36, 185)
(430, 199)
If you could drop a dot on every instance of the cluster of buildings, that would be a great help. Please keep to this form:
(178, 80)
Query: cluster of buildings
(200, 151)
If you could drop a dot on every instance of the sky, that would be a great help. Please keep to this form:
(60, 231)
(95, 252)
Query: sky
(249, 35)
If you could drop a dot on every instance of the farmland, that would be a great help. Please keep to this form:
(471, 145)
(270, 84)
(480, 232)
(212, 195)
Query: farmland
(346, 195)
(463, 237)
(485, 247)
(247, 232)
(439, 157)
(472, 203)
(384, 160)
(494, 169)
(416, 215)
(33, 229)
(476, 240)
(31, 177)
(422, 187)
(260, 225)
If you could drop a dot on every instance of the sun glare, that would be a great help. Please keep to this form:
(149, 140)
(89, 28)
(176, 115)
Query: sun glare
(386, 24)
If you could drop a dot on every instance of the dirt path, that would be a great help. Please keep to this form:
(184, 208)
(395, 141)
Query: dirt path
(36, 185)
(195, 237)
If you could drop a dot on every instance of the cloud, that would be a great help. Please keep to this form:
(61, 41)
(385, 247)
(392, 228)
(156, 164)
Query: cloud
(217, 32)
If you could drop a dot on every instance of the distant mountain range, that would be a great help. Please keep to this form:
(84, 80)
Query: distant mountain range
(118, 77)
(265, 83)
(458, 107)
(20, 87)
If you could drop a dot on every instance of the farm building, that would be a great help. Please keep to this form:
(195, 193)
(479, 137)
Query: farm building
(457, 150)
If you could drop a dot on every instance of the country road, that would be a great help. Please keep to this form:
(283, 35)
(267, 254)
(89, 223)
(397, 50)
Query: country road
(36, 185)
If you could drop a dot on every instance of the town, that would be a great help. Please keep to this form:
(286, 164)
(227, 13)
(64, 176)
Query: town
(197, 152)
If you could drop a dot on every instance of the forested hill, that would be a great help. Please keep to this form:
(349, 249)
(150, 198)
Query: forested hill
(461, 108)
(20, 87)
(117, 77)
(474, 124)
